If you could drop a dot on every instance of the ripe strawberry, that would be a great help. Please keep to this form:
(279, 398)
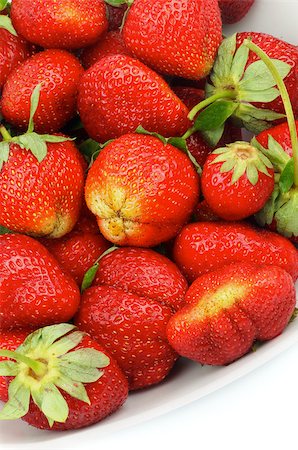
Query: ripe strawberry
(227, 310)
(65, 24)
(111, 44)
(233, 11)
(59, 74)
(142, 98)
(59, 385)
(142, 190)
(237, 181)
(33, 289)
(175, 38)
(206, 246)
(115, 16)
(281, 134)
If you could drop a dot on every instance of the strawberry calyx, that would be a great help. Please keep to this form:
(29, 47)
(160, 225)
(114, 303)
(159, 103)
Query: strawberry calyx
(91, 273)
(43, 365)
(34, 142)
(242, 158)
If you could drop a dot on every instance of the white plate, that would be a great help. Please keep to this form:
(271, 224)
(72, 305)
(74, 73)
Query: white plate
(188, 381)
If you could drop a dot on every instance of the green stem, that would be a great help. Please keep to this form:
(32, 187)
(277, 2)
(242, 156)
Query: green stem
(38, 367)
(5, 134)
(209, 100)
(189, 132)
(286, 101)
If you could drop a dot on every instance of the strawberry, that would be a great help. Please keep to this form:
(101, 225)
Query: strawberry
(33, 289)
(281, 134)
(111, 44)
(206, 246)
(175, 38)
(132, 328)
(61, 380)
(142, 190)
(116, 15)
(237, 181)
(10, 340)
(227, 310)
(233, 11)
(142, 98)
(67, 24)
(59, 74)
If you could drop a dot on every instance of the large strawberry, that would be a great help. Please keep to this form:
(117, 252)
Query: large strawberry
(119, 93)
(227, 310)
(58, 72)
(34, 291)
(64, 24)
(142, 190)
(175, 38)
(111, 44)
(61, 380)
(233, 11)
(206, 246)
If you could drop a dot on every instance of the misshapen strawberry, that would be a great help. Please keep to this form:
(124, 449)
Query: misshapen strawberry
(175, 38)
(111, 44)
(227, 310)
(142, 98)
(61, 380)
(68, 24)
(233, 11)
(206, 246)
(34, 291)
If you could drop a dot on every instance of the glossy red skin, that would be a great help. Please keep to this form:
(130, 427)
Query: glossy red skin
(10, 340)
(175, 38)
(67, 24)
(262, 310)
(234, 201)
(59, 72)
(160, 194)
(278, 49)
(142, 98)
(115, 16)
(13, 51)
(132, 329)
(145, 273)
(42, 199)
(111, 44)
(34, 291)
(233, 11)
(106, 395)
(206, 246)
(281, 134)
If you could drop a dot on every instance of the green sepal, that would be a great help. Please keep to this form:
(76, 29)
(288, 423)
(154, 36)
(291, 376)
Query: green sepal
(45, 336)
(87, 357)
(54, 405)
(89, 148)
(224, 60)
(3, 4)
(215, 115)
(35, 96)
(255, 119)
(4, 153)
(286, 180)
(73, 388)
(19, 400)
(66, 343)
(257, 77)
(79, 373)
(116, 3)
(5, 22)
(266, 215)
(294, 315)
(4, 230)
(34, 143)
(90, 275)
(286, 215)
(275, 153)
(8, 369)
(141, 130)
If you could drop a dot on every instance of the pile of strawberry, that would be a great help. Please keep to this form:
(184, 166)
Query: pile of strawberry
(136, 225)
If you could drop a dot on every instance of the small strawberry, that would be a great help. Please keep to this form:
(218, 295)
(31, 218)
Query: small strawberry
(140, 95)
(233, 11)
(61, 380)
(206, 246)
(33, 289)
(227, 310)
(237, 181)
(115, 15)
(111, 44)
(175, 38)
(59, 73)
(67, 24)
(142, 190)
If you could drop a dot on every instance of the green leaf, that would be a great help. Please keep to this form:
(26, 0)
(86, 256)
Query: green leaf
(53, 404)
(213, 136)
(8, 369)
(34, 143)
(5, 23)
(286, 180)
(3, 4)
(55, 139)
(4, 152)
(224, 60)
(66, 343)
(141, 130)
(87, 357)
(257, 76)
(18, 403)
(79, 373)
(89, 277)
(73, 388)
(89, 148)
(33, 107)
(239, 63)
(215, 115)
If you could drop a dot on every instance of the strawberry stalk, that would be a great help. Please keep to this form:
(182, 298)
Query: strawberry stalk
(38, 367)
(286, 100)
(4, 133)
(208, 101)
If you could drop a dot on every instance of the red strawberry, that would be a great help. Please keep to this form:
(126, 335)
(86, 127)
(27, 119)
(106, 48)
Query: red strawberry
(233, 11)
(175, 38)
(206, 246)
(115, 16)
(67, 381)
(59, 73)
(237, 181)
(227, 310)
(141, 190)
(64, 24)
(111, 44)
(281, 134)
(132, 328)
(9, 340)
(33, 289)
(142, 98)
